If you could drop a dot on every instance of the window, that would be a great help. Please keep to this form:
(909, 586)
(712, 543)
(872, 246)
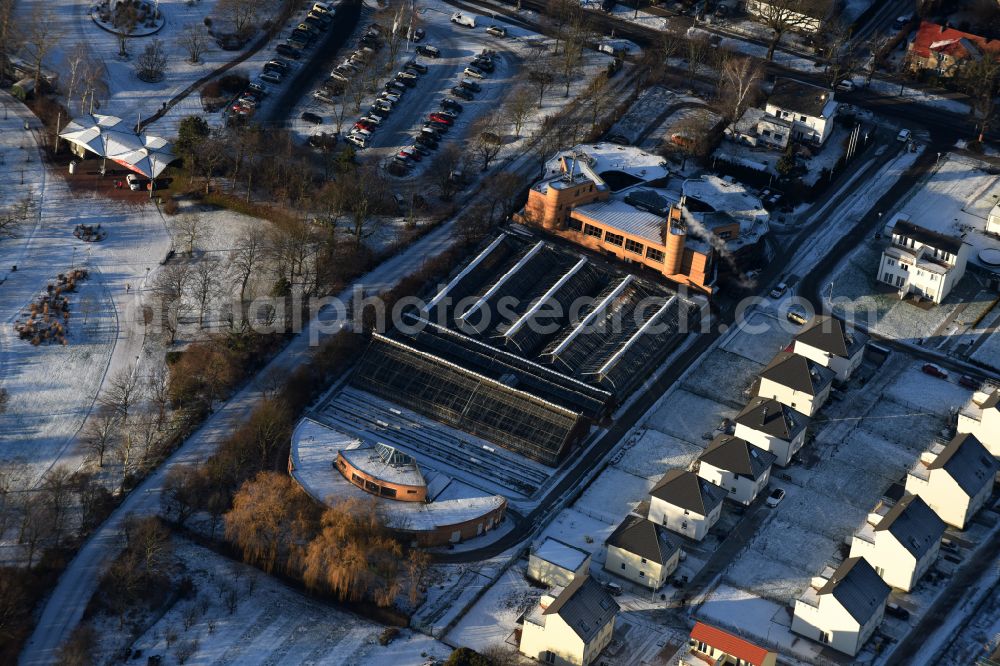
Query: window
(549, 657)
(779, 137)
(887, 277)
(824, 637)
(642, 574)
(890, 262)
(623, 566)
(643, 560)
(591, 230)
(574, 224)
(802, 118)
(905, 267)
(933, 277)
(686, 512)
(654, 254)
(385, 491)
(900, 280)
(880, 571)
(726, 235)
(634, 247)
(614, 239)
(766, 132)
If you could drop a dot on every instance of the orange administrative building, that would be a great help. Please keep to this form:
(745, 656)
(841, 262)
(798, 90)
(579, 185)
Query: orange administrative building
(633, 223)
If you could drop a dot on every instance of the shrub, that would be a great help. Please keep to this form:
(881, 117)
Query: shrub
(170, 206)
(388, 635)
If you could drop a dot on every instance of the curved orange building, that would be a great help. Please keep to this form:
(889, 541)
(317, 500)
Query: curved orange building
(382, 470)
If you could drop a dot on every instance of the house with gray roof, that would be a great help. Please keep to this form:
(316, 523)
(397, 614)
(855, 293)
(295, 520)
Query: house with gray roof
(900, 542)
(981, 417)
(642, 551)
(570, 625)
(772, 426)
(736, 466)
(842, 608)
(796, 381)
(954, 479)
(685, 503)
(921, 261)
(831, 343)
(795, 111)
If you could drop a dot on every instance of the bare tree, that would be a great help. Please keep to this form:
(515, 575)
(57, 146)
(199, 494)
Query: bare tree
(125, 20)
(94, 85)
(36, 527)
(188, 230)
(152, 62)
(599, 98)
(75, 66)
(170, 287)
(697, 52)
(122, 391)
(446, 162)
(876, 46)
(57, 492)
(739, 85)
(782, 16)
(158, 390)
(100, 432)
(518, 107)
(10, 37)
(203, 286)
(246, 258)
(485, 139)
(838, 50)
(572, 56)
(242, 14)
(41, 36)
(542, 79)
(194, 41)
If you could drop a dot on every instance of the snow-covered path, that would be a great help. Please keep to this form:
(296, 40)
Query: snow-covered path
(76, 586)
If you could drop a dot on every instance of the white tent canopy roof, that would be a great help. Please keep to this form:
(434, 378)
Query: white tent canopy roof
(110, 137)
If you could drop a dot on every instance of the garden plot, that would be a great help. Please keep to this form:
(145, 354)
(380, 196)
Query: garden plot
(847, 485)
(689, 417)
(769, 578)
(898, 423)
(724, 376)
(613, 495)
(578, 529)
(918, 390)
(654, 453)
(988, 353)
(271, 624)
(760, 338)
(820, 513)
(493, 619)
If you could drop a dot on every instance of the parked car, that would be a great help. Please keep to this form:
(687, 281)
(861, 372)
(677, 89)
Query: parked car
(419, 34)
(446, 113)
(134, 182)
(258, 88)
(451, 105)
(774, 499)
(968, 381)
(460, 92)
(288, 51)
(440, 127)
(426, 140)
(935, 371)
(411, 153)
(904, 135)
(429, 51)
(779, 290)
(276, 65)
(440, 118)
(418, 67)
(375, 110)
(797, 315)
(497, 31)
(271, 77)
(387, 96)
(310, 117)
(374, 120)
(365, 125)
(900, 22)
(407, 75)
(315, 23)
(423, 150)
(463, 19)
(409, 83)
(614, 589)
(474, 72)
(358, 140)
(846, 85)
(395, 87)
(484, 63)
(471, 86)
(895, 610)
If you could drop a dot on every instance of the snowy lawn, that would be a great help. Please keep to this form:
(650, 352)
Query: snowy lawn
(724, 376)
(612, 495)
(492, 620)
(897, 423)
(654, 453)
(689, 417)
(989, 352)
(578, 529)
(917, 389)
(760, 338)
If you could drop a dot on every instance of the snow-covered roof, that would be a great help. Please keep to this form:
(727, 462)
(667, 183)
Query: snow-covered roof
(385, 463)
(561, 554)
(619, 215)
(725, 196)
(604, 157)
(314, 450)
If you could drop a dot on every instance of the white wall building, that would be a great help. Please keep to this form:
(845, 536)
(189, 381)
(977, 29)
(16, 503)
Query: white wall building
(642, 551)
(736, 466)
(685, 503)
(571, 625)
(993, 220)
(829, 342)
(922, 262)
(796, 382)
(810, 109)
(901, 543)
(955, 480)
(774, 427)
(981, 417)
(843, 608)
(556, 563)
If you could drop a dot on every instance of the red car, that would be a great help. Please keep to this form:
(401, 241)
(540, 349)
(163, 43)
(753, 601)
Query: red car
(935, 371)
(439, 118)
(365, 125)
(411, 154)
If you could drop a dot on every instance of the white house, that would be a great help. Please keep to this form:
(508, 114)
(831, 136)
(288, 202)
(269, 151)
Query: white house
(981, 417)
(922, 262)
(685, 503)
(955, 480)
(901, 542)
(736, 466)
(557, 563)
(795, 111)
(829, 342)
(772, 426)
(570, 625)
(843, 609)
(796, 382)
(993, 220)
(642, 551)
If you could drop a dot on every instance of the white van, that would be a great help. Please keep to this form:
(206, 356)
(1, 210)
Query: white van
(462, 19)
(358, 140)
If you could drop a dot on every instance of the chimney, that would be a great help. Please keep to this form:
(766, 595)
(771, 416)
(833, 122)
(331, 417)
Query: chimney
(927, 457)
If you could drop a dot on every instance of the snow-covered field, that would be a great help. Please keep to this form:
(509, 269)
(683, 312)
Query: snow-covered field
(492, 621)
(689, 417)
(271, 624)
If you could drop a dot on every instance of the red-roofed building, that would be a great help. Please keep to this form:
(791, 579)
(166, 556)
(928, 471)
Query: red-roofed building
(945, 50)
(716, 646)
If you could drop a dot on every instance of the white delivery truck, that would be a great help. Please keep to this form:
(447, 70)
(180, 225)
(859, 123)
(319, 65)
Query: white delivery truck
(463, 19)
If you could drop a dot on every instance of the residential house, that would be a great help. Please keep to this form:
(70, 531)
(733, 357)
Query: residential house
(922, 262)
(945, 51)
(805, 16)
(955, 480)
(736, 466)
(721, 647)
(557, 563)
(685, 503)
(642, 551)
(843, 609)
(795, 111)
(570, 625)
(832, 344)
(981, 417)
(774, 427)
(900, 542)
(797, 382)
